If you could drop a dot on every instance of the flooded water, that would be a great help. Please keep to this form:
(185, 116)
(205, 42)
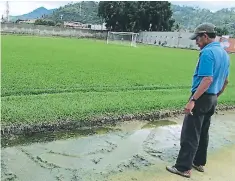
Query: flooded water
(96, 154)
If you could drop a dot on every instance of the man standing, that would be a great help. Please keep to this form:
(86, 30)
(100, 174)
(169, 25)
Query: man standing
(209, 81)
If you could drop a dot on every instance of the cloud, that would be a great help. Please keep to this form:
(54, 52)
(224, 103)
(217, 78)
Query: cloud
(23, 7)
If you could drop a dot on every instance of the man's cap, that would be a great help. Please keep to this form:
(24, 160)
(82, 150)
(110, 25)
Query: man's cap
(203, 28)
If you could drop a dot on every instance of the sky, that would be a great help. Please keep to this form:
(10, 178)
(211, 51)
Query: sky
(22, 7)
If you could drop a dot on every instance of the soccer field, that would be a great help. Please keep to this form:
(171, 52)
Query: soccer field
(51, 79)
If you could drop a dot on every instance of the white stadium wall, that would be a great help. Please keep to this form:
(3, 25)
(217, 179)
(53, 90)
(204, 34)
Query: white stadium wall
(168, 39)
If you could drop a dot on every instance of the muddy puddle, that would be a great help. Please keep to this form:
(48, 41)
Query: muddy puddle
(97, 154)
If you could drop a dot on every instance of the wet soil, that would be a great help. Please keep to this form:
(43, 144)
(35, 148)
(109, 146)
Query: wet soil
(133, 150)
(220, 167)
(18, 128)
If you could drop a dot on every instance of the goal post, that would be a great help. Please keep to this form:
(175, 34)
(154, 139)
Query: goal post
(122, 38)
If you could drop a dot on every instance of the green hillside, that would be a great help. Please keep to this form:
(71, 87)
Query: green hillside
(185, 16)
(190, 17)
(72, 12)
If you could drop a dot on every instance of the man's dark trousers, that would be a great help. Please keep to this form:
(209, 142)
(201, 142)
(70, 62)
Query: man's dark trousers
(194, 135)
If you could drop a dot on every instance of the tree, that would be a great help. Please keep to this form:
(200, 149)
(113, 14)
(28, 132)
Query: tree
(44, 22)
(136, 15)
(222, 31)
(177, 27)
(156, 14)
(113, 13)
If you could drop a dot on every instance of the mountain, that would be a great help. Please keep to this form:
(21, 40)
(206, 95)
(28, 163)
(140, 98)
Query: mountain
(37, 13)
(190, 17)
(185, 16)
(84, 12)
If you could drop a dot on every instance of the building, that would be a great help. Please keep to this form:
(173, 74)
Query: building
(74, 24)
(28, 21)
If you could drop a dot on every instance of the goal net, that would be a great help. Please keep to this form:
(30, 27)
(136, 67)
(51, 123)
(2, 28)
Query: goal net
(122, 38)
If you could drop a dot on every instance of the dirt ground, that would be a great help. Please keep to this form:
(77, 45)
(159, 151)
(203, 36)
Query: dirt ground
(220, 167)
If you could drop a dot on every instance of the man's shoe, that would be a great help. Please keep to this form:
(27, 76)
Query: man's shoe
(174, 170)
(199, 168)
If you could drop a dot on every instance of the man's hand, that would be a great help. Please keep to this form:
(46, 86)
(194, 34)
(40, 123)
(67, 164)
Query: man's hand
(189, 107)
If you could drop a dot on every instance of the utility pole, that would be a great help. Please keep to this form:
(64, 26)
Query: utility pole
(7, 11)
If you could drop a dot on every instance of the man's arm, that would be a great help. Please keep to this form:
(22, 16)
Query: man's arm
(205, 70)
(204, 85)
(223, 88)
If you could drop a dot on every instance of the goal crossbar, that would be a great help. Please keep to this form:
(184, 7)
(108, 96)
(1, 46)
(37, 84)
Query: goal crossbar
(122, 33)
(123, 38)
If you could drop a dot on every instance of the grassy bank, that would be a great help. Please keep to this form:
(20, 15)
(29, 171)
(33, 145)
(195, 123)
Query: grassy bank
(51, 79)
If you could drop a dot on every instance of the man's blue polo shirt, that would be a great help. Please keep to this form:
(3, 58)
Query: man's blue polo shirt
(213, 61)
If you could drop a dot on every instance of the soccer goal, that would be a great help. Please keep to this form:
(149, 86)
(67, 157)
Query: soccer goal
(122, 38)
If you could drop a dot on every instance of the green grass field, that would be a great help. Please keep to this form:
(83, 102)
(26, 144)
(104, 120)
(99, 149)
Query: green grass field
(51, 79)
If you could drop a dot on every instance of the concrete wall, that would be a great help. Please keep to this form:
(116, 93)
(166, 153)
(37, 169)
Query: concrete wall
(52, 31)
(168, 39)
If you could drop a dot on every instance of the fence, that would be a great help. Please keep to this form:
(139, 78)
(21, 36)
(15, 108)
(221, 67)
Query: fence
(179, 40)
(52, 31)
